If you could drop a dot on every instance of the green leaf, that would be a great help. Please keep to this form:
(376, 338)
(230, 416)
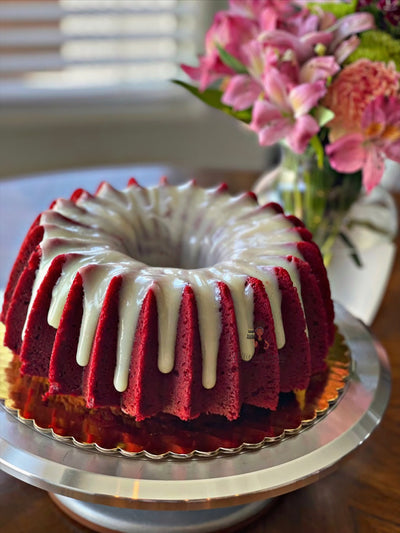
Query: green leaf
(212, 97)
(323, 115)
(338, 9)
(230, 61)
(319, 150)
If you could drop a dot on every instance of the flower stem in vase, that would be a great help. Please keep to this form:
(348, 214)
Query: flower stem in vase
(319, 196)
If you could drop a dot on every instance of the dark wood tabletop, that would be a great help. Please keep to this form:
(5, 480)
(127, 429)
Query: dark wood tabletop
(362, 495)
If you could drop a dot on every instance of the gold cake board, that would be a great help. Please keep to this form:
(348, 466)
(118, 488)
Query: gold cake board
(89, 477)
(69, 421)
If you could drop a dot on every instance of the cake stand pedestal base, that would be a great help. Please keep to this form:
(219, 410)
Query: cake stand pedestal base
(107, 519)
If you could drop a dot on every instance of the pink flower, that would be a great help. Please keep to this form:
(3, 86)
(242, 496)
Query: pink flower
(230, 32)
(326, 19)
(302, 23)
(379, 137)
(302, 46)
(258, 59)
(284, 112)
(209, 70)
(305, 96)
(241, 92)
(286, 56)
(353, 89)
(349, 25)
(346, 48)
(259, 9)
(318, 68)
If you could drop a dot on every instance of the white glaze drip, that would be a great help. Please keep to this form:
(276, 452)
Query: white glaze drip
(204, 235)
(207, 301)
(168, 303)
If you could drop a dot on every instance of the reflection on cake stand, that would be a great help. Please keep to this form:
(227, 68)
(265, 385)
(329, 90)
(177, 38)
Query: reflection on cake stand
(219, 492)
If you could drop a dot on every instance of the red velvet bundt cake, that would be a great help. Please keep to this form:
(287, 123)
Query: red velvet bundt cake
(167, 299)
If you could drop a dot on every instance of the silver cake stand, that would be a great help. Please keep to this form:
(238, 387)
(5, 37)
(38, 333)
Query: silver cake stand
(109, 492)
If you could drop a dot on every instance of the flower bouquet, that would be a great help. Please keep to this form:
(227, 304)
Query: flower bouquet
(320, 78)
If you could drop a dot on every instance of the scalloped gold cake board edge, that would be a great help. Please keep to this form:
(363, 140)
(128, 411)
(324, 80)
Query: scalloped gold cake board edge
(338, 359)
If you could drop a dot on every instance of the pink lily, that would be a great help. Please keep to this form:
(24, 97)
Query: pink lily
(209, 70)
(258, 58)
(298, 100)
(326, 19)
(349, 25)
(302, 46)
(246, 8)
(380, 136)
(268, 19)
(318, 68)
(284, 112)
(256, 9)
(302, 23)
(346, 48)
(230, 32)
(244, 89)
(241, 92)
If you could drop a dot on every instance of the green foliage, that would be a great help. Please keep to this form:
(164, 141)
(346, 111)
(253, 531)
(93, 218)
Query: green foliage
(339, 10)
(212, 97)
(377, 45)
(319, 150)
(323, 115)
(230, 61)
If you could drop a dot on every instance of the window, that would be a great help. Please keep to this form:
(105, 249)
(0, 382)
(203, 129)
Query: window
(54, 50)
(87, 82)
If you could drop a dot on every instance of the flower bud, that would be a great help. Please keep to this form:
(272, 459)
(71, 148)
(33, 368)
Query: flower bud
(320, 49)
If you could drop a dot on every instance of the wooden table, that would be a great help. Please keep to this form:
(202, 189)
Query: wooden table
(362, 495)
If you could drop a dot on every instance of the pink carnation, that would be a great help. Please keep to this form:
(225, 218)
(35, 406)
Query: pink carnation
(353, 89)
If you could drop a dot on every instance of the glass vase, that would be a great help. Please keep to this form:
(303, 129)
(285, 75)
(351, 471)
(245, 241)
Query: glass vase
(315, 193)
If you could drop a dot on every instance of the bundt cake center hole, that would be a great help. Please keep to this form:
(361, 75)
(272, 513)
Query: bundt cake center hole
(158, 257)
(163, 251)
(168, 258)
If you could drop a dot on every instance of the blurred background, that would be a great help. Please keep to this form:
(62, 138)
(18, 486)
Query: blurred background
(87, 83)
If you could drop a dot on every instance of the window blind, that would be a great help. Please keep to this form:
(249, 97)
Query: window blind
(66, 48)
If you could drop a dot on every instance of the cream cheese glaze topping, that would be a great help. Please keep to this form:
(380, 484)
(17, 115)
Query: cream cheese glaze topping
(164, 238)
